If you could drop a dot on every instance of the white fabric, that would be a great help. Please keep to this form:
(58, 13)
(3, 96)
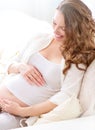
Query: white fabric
(87, 93)
(32, 94)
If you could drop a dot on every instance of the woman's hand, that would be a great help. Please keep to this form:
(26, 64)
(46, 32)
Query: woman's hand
(10, 107)
(31, 74)
(33, 110)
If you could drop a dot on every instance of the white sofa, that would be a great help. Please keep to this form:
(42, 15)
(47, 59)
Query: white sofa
(85, 123)
(16, 30)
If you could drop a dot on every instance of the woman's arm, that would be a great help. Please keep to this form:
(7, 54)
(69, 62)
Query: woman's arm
(71, 85)
(34, 110)
(38, 109)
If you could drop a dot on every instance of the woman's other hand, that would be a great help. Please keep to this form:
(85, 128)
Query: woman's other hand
(10, 107)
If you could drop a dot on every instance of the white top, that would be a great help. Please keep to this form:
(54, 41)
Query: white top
(32, 94)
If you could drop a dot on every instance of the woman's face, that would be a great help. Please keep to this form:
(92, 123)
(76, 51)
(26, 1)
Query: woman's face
(59, 26)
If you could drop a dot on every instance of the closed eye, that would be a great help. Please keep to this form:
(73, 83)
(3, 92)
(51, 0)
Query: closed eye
(54, 23)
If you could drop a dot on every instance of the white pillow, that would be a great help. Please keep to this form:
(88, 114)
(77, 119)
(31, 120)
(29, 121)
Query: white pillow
(67, 110)
(87, 93)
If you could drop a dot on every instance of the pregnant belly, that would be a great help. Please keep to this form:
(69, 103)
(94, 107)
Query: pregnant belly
(6, 94)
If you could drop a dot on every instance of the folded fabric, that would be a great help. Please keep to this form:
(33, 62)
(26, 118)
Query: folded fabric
(28, 121)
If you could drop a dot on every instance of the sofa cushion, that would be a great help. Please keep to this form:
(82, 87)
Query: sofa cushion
(87, 93)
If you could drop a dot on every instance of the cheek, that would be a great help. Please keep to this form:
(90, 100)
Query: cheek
(63, 33)
(63, 36)
(58, 31)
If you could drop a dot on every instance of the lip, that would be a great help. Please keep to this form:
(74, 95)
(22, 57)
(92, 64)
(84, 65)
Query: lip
(57, 36)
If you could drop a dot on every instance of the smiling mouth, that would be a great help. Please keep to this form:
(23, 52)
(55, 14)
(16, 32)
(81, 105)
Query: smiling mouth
(58, 36)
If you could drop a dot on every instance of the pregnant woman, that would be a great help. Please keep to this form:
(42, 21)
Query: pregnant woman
(51, 67)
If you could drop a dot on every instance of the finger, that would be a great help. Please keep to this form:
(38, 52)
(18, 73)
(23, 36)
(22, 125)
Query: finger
(34, 80)
(31, 80)
(34, 77)
(38, 76)
(37, 72)
(1, 102)
(6, 101)
(27, 78)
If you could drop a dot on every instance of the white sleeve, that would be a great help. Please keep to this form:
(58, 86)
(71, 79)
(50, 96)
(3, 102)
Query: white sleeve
(71, 85)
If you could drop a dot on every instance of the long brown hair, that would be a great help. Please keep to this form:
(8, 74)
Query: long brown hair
(79, 47)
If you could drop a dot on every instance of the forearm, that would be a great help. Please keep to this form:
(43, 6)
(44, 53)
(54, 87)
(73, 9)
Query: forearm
(38, 109)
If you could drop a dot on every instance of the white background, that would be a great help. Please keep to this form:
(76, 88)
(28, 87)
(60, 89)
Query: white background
(42, 9)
